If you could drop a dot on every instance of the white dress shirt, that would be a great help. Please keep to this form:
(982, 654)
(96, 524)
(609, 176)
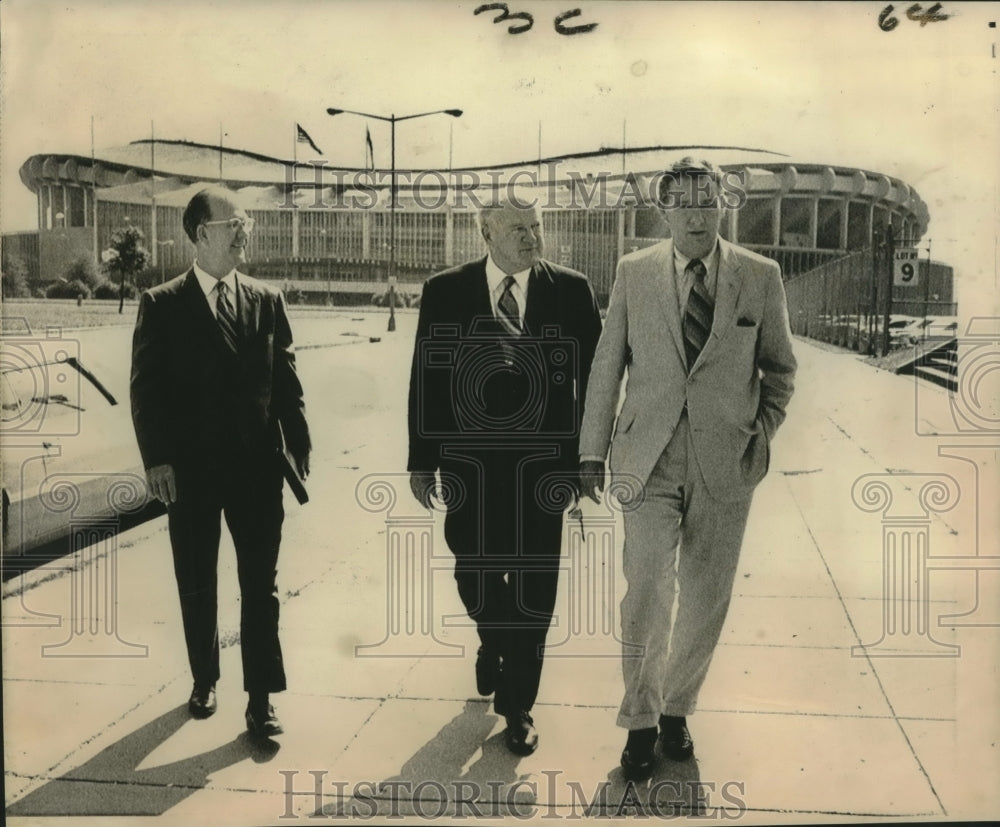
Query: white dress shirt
(519, 290)
(209, 283)
(684, 279)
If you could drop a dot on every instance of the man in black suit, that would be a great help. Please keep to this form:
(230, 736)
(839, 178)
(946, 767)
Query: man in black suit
(499, 375)
(213, 390)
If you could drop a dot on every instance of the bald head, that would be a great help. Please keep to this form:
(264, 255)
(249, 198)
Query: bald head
(218, 225)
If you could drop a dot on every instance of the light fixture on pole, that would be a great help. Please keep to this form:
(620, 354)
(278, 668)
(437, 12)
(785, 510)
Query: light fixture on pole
(392, 120)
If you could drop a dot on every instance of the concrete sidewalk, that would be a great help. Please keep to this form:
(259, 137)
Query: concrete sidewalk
(795, 723)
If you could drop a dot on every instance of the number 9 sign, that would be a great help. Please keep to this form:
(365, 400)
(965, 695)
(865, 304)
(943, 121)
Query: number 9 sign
(904, 272)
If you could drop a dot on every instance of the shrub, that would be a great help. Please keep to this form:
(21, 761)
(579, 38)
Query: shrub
(68, 290)
(14, 277)
(381, 299)
(83, 269)
(107, 290)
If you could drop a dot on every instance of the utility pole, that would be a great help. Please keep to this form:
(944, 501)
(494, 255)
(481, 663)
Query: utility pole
(890, 255)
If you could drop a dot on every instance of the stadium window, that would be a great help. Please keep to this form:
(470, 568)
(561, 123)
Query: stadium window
(795, 219)
(858, 229)
(755, 222)
(828, 224)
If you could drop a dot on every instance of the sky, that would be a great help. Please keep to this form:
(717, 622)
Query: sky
(822, 82)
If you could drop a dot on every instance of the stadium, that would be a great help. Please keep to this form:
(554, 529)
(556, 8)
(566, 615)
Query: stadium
(315, 221)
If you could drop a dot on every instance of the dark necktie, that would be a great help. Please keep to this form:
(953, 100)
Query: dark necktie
(226, 317)
(698, 313)
(509, 313)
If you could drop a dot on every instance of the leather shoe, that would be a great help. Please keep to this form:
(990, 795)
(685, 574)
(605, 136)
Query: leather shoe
(202, 703)
(675, 740)
(487, 671)
(263, 722)
(637, 757)
(521, 736)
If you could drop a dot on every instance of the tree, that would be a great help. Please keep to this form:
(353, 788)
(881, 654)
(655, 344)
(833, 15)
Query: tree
(14, 277)
(126, 256)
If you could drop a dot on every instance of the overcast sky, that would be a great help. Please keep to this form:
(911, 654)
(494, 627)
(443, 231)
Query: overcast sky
(821, 82)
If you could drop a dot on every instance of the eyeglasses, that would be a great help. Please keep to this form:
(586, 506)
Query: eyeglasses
(245, 224)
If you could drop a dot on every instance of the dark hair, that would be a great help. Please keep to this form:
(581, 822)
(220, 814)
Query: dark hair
(697, 169)
(198, 210)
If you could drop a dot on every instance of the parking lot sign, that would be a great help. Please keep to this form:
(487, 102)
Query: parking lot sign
(904, 268)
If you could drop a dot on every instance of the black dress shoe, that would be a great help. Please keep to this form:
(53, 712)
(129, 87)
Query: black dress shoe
(263, 722)
(487, 671)
(637, 757)
(521, 736)
(675, 740)
(202, 703)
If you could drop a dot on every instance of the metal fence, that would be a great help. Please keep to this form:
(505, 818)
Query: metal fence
(843, 303)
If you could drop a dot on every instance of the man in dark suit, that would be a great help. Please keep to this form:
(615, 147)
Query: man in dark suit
(702, 328)
(500, 368)
(213, 389)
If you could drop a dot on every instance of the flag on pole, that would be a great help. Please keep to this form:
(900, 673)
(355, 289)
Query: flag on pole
(303, 138)
(369, 150)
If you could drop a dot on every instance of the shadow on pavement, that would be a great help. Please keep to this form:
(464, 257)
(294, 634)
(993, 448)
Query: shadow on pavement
(674, 790)
(434, 780)
(110, 783)
(438, 781)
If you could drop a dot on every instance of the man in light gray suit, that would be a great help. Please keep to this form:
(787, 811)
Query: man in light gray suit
(701, 326)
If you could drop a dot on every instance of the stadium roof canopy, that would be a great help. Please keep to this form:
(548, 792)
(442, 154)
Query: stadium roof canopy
(124, 174)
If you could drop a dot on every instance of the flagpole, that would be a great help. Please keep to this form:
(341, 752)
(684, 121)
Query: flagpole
(295, 158)
(93, 179)
(624, 142)
(152, 190)
(539, 147)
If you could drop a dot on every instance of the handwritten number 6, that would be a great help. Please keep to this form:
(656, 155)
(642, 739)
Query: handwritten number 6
(885, 22)
(506, 15)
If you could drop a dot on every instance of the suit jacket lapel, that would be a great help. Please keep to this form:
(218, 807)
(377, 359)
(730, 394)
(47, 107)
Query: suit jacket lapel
(479, 301)
(541, 303)
(248, 310)
(666, 283)
(727, 291)
(199, 314)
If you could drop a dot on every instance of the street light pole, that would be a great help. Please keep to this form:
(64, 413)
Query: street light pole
(392, 224)
(392, 119)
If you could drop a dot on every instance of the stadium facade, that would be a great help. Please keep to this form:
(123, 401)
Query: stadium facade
(322, 230)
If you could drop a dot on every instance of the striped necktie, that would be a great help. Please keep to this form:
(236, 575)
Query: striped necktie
(698, 313)
(226, 317)
(509, 314)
